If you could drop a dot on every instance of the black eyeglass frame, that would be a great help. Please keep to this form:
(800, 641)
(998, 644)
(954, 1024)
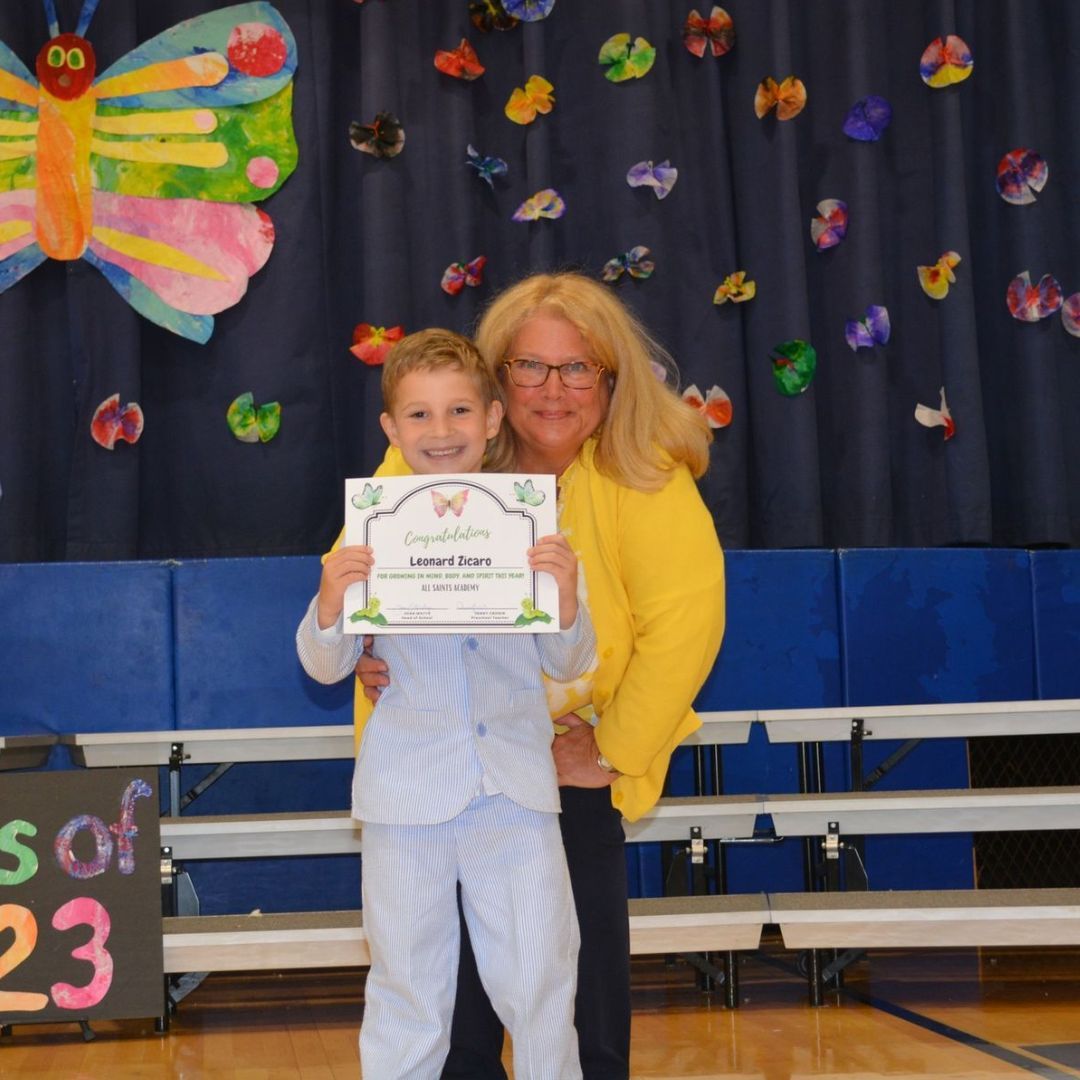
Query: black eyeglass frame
(510, 362)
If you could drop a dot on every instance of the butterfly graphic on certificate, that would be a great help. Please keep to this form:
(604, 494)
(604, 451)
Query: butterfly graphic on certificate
(149, 170)
(455, 503)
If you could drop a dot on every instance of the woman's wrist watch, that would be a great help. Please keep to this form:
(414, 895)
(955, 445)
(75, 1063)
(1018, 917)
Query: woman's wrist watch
(605, 764)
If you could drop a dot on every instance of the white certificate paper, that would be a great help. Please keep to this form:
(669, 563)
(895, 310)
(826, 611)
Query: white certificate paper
(450, 554)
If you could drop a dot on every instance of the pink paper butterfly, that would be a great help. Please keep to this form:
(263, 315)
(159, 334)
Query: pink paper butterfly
(114, 421)
(829, 227)
(455, 502)
(457, 275)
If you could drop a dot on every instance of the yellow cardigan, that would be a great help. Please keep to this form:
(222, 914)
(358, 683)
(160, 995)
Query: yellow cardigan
(654, 576)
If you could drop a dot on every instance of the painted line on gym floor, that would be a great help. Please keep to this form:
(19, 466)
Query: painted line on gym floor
(1002, 1053)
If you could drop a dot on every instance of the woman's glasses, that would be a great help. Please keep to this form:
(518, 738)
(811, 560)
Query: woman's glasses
(575, 375)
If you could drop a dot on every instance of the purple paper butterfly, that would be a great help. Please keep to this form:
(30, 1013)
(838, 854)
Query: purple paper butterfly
(868, 118)
(1021, 174)
(661, 178)
(1030, 303)
(1070, 314)
(528, 10)
(873, 329)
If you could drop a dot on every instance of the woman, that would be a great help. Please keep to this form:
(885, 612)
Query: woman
(583, 402)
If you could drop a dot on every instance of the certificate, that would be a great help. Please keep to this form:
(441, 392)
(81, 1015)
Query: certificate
(450, 554)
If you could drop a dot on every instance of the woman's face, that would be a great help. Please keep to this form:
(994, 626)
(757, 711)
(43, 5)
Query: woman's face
(550, 422)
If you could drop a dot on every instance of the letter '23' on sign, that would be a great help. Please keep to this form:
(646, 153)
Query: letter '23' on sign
(148, 170)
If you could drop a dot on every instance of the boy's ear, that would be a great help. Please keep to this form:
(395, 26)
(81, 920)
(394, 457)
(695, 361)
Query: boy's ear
(388, 425)
(494, 418)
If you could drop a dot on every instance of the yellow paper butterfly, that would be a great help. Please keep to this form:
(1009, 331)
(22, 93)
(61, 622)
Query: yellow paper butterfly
(535, 98)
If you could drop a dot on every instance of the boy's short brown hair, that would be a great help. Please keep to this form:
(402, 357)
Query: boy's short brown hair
(430, 350)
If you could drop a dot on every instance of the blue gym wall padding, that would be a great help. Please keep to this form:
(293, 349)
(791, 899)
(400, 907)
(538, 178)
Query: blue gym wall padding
(85, 647)
(1056, 592)
(928, 626)
(236, 666)
(208, 644)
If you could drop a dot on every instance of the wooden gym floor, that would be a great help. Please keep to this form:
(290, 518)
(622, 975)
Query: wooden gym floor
(954, 1014)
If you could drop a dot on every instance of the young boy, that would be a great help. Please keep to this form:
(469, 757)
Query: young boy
(454, 780)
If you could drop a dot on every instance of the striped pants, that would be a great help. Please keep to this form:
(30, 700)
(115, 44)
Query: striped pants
(517, 903)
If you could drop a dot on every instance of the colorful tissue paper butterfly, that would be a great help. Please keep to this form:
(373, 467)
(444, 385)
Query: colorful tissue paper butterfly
(935, 280)
(716, 33)
(661, 178)
(715, 406)
(525, 102)
(830, 225)
(794, 363)
(454, 503)
(1070, 314)
(372, 343)
(487, 168)
(148, 170)
(460, 63)
(528, 10)
(369, 497)
(788, 97)
(490, 15)
(526, 493)
(457, 275)
(251, 423)
(872, 329)
(868, 118)
(635, 262)
(1030, 303)
(735, 288)
(384, 137)
(544, 204)
(623, 59)
(1021, 175)
(937, 417)
(946, 61)
(114, 421)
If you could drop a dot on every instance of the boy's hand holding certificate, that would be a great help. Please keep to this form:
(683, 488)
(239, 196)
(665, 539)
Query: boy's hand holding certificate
(450, 554)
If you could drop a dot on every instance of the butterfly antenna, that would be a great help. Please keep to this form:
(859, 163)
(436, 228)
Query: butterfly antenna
(51, 19)
(87, 13)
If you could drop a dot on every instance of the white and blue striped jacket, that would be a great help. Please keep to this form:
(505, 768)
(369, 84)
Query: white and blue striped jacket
(463, 714)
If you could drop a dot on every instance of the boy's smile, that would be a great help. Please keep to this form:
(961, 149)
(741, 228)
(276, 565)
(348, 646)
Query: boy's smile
(440, 422)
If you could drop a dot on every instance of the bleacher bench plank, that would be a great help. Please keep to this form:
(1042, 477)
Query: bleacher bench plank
(25, 751)
(938, 721)
(897, 812)
(961, 917)
(336, 938)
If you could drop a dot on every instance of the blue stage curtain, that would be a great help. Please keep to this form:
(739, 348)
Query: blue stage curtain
(363, 240)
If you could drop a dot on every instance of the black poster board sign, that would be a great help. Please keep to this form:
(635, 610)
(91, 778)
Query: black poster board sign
(80, 896)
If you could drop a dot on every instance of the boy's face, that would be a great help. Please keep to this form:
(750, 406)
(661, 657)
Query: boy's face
(440, 423)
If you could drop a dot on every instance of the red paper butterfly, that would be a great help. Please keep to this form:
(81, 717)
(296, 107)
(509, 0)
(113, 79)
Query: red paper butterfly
(460, 63)
(717, 32)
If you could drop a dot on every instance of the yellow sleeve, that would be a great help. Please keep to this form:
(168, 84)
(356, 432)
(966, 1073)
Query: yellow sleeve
(673, 573)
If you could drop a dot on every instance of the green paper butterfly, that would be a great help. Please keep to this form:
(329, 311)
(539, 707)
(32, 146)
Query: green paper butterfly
(251, 423)
(370, 614)
(527, 494)
(368, 497)
(531, 614)
(624, 60)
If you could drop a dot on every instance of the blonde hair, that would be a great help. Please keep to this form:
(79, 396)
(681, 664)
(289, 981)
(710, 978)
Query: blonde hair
(649, 429)
(435, 350)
